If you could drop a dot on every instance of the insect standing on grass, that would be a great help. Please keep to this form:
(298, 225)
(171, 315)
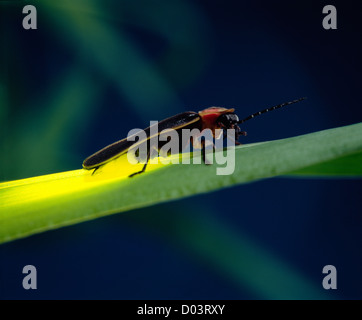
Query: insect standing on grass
(211, 118)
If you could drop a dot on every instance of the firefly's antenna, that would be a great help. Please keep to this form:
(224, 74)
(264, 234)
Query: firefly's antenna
(270, 109)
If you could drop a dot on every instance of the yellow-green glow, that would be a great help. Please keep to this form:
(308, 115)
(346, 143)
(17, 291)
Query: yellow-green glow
(70, 182)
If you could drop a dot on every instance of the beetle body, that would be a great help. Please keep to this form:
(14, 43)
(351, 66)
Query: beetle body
(211, 118)
(121, 147)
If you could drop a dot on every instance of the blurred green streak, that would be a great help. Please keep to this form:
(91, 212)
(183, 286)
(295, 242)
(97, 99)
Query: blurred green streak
(185, 29)
(4, 146)
(61, 112)
(115, 54)
(3, 105)
(232, 254)
(247, 263)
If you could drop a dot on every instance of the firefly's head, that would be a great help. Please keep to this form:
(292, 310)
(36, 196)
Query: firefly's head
(230, 121)
(220, 118)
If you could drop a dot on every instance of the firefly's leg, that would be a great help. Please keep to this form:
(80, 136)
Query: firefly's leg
(203, 154)
(236, 142)
(144, 167)
(203, 150)
(95, 170)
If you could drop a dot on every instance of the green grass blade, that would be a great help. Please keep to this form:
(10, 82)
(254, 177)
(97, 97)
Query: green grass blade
(347, 167)
(42, 203)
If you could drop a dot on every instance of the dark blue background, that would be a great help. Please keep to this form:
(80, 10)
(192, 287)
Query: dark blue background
(232, 54)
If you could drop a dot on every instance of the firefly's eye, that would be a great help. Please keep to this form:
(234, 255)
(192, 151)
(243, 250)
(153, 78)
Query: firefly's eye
(228, 119)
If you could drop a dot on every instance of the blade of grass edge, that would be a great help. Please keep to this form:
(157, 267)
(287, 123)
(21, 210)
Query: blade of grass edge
(345, 167)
